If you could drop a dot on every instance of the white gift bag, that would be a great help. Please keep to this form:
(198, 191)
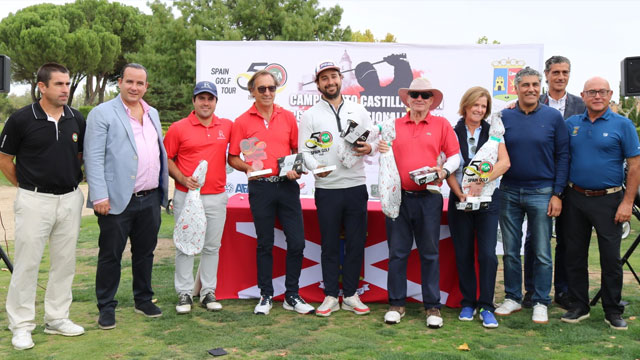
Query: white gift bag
(191, 225)
(388, 176)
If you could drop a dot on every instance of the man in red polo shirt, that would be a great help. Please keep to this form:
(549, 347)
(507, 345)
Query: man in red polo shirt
(263, 134)
(200, 136)
(420, 138)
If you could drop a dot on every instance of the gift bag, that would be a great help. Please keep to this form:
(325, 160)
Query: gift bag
(388, 176)
(191, 225)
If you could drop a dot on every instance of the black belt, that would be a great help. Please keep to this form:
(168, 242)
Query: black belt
(272, 179)
(602, 192)
(144, 193)
(416, 193)
(43, 190)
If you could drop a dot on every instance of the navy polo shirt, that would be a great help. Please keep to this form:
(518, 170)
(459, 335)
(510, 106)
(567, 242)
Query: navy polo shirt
(598, 149)
(46, 152)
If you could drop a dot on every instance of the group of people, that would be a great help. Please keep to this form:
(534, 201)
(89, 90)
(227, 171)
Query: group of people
(545, 164)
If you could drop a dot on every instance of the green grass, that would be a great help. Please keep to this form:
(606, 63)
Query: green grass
(288, 335)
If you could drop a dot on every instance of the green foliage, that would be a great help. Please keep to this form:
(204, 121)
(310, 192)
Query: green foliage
(85, 109)
(630, 108)
(485, 40)
(367, 36)
(169, 52)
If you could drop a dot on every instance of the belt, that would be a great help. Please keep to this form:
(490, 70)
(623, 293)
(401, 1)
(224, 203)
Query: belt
(602, 192)
(43, 190)
(144, 193)
(272, 179)
(416, 193)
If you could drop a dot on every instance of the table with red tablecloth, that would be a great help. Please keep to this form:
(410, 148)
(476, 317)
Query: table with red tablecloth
(237, 274)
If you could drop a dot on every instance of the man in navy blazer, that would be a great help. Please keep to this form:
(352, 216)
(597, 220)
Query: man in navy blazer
(557, 70)
(126, 168)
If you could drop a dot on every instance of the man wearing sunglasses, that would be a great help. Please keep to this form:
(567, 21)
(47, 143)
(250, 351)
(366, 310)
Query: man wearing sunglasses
(537, 143)
(557, 70)
(272, 131)
(600, 141)
(341, 195)
(420, 139)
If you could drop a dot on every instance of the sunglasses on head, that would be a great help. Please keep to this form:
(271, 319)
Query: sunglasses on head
(263, 89)
(425, 94)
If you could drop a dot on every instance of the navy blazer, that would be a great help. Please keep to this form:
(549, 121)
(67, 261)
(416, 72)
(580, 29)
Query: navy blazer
(574, 105)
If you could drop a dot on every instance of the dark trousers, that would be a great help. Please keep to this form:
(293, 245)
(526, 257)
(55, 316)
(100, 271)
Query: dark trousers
(268, 200)
(140, 222)
(582, 213)
(419, 219)
(338, 208)
(560, 283)
(465, 226)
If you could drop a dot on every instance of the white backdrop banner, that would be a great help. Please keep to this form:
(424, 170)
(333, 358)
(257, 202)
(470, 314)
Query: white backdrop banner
(373, 73)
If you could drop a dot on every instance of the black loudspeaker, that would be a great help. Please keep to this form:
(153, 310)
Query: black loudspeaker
(5, 73)
(630, 76)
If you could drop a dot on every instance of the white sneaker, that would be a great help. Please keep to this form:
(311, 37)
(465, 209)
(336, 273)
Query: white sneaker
(209, 302)
(264, 306)
(353, 303)
(508, 307)
(540, 314)
(329, 305)
(63, 327)
(394, 315)
(184, 303)
(434, 318)
(297, 304)
(21, 340)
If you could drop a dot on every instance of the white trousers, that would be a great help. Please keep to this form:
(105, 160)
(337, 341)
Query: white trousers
(41, 217)
(215, 209)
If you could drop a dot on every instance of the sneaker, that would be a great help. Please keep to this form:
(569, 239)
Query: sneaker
(466, 314)
(329, 305)
(527, 303)
(508, 307)
(615, 321)
(563, 300)
(353, 303)
(264, 306)
(297, 304)
(21, 340)
(488, 320)
(434, 319)
(184, 303)
(107, 319)
(63, 327)
(394, 315)
(575, 316)
(148, 309)
(209, 302)
(540, 314)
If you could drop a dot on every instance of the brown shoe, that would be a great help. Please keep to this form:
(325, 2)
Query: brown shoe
(394, 314)
(434, 319)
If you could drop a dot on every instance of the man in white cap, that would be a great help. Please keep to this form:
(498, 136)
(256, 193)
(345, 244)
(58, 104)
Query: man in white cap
(420, 138)
(341, 195)
(200, 136)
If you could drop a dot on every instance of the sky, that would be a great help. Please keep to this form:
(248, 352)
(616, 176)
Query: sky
(596, 35)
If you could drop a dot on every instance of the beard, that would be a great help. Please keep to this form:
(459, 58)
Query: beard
(330, 96)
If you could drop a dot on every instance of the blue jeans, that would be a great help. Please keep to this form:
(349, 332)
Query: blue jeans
(515, 204)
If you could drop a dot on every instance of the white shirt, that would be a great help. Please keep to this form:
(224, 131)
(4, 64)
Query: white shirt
(559, 105)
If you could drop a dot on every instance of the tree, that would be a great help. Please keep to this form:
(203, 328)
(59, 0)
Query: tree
(485, 40)
(169, 52)
(630, 107)
(367, 36)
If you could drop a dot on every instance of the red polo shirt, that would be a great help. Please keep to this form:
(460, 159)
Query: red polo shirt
(278, 140)
(188, 142)
(418, 145)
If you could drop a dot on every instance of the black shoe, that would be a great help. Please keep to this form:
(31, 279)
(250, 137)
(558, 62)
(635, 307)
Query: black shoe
(184, 304)
(575, 315)
(526, 301)
(107, 320)
(563, 300)
(148, 309)
(615, 321)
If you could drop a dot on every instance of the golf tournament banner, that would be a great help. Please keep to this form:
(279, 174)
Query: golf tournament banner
(373, 73)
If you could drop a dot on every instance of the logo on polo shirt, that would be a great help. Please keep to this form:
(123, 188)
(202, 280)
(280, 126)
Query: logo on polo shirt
(605, 134)
(221, 135)
(74, 137)
(575, 131)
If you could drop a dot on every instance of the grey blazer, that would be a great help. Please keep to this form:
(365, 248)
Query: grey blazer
(574, 105)
(110, 156)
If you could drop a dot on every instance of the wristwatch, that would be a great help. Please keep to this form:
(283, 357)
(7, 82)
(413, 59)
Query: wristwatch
(559, 195)
(447, 172)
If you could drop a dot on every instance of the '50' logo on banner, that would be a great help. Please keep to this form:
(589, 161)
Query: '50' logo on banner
(276, 69)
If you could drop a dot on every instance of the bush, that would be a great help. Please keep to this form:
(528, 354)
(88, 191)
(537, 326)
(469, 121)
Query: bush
(84, 110)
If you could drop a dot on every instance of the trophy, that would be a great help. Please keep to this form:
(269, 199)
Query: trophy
(479, 170)
(253, 152)
(353, 133)
(290, 162)
(426, 175)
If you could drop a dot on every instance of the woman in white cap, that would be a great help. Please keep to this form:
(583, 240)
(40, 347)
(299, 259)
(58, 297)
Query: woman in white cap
(420, 138)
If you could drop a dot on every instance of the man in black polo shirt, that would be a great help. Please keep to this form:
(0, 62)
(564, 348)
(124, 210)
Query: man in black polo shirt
(46, 140)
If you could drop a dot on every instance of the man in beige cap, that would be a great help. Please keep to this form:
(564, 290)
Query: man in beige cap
(420, 138)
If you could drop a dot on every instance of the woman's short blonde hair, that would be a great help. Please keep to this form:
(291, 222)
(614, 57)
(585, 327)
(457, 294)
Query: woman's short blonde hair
(471, 96)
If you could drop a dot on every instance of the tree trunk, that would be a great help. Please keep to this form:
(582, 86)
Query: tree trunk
(103, 87)
(33, 91)
(88, 91)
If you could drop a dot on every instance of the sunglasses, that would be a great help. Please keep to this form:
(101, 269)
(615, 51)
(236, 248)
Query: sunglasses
(263, 89)
(425, 95)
